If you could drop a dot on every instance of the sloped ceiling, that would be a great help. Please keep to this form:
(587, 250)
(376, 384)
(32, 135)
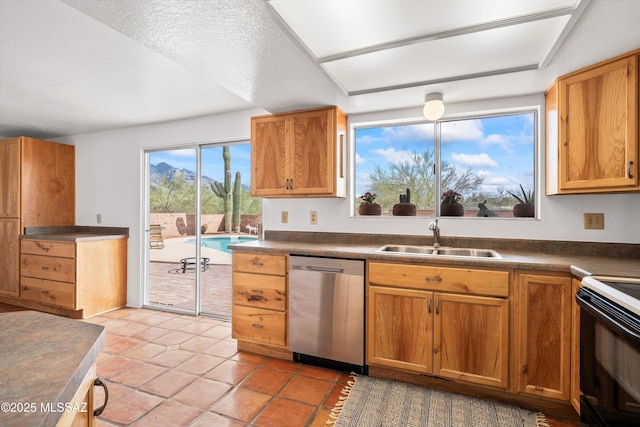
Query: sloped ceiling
(77, 66)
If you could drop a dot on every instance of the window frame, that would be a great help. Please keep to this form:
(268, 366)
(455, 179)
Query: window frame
(470, 115)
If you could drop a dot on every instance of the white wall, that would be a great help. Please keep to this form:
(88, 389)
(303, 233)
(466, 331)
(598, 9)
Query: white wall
(110, 181)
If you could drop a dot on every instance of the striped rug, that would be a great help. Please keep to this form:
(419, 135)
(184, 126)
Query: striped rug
(376, 402)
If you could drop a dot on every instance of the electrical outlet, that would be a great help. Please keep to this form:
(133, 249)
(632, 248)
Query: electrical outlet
(284, 217)
(313, 217)
(594, 221)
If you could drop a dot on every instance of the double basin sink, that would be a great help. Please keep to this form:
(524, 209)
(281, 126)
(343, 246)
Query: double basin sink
(440, 251)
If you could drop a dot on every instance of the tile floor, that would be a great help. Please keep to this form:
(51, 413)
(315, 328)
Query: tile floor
(166, 369)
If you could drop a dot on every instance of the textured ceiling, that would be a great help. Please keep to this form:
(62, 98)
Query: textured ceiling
(76, 66)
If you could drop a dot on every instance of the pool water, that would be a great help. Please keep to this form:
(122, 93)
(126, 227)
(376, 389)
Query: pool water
(221, 243)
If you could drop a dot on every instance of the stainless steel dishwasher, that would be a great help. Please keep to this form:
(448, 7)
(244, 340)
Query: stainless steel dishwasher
(326, 311)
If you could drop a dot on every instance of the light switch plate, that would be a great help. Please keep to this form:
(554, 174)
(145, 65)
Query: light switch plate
(284, 217)
(594, 221)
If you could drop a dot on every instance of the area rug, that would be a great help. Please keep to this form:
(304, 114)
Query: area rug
(376, 402)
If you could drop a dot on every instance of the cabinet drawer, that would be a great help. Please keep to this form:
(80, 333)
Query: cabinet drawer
(49, 268)
(48, 248)
(449, 279)
(47, 291)
(260, 263)
(254, 324)
(261, 291)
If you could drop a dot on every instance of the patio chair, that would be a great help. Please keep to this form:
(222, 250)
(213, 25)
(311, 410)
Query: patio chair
(156, 240)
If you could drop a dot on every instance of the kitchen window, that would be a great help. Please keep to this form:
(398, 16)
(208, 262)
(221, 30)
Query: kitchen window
(488, 160)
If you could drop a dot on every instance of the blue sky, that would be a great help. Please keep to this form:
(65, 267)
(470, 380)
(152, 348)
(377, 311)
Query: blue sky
(500, 149)
(212, 162)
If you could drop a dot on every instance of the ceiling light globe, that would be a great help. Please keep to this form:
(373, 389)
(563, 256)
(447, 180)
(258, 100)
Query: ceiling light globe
(433, 106)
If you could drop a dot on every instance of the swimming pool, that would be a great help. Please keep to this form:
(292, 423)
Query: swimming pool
(220, 243)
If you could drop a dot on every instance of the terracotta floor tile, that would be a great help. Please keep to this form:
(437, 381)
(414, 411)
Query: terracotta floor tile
(172, 358)
(223, 348)
(198, 343)
(202, 393)
(146, 351)
(336, 394)
(198, 328)
(173, 338)
(116, 314)
(210, 419)
(140, 375)
(119, 345)
(320, 373)
(116, 391)
(155, 319)
(115, 366)
(136, 314)
(131, 328)
(267, 380)
(254, 359)
(169, 414)
(200, 364)
(306, 389)
(284, 413)
(150, 333)
(241, 404)
(283, 365)
(112, 324)
(230, 372)
(169, 383)
(129, 408)
(220, 332)
(177, 323)
(321, 418)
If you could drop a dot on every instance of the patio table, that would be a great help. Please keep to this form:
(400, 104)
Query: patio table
(191, 261)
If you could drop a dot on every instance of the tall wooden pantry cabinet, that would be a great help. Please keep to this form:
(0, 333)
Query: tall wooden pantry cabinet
(37, 188)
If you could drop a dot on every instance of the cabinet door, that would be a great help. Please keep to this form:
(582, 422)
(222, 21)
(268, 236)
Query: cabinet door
(48, 183)
(400, 329)
(9, 256)
(269, 156)
(598, 119)
(311, 160)
(544, 335)
(471, 339)
(10, 178)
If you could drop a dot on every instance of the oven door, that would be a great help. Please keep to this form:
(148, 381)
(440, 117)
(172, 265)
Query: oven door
(609, 362)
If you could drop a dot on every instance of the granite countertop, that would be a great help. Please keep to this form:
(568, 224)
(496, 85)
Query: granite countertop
(580, 264)
(44, 360)
(75, 233)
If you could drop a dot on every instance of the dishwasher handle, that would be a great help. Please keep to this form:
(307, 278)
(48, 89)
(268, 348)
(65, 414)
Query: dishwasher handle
(318, 269)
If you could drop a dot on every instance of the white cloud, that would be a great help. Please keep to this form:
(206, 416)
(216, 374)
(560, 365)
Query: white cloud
(360, 160)
(476, 160)
(463, 130)
(409, 132)
(393, 156)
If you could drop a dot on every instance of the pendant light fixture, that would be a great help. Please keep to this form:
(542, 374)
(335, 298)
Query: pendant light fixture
(433, 106)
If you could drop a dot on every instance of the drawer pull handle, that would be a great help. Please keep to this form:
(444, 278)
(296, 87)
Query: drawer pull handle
(45, 292)
(99, 382)
(257, 263)
(255, 325)
(538, 388)
(43, 247)
(433, 279)
(257, 291)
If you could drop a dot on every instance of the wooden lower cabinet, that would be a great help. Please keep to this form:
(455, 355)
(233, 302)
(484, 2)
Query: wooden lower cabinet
(79, 279)
(10, 257)
(450, 335)
(82, 405)
(259, 310)
(575, 347)
(544, 335)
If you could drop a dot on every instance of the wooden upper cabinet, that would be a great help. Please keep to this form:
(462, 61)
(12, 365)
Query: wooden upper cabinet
(592, 129)
(10, 178)
(544, 335)
(299, 154)
(48, 183)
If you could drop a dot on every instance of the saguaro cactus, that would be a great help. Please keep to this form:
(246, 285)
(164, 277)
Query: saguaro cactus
(229, 194)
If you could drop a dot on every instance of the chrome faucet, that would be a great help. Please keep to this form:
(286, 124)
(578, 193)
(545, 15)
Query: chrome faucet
(433, 226)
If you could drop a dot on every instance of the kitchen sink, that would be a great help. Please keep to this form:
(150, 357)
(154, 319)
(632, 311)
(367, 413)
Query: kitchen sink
(442, 251)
